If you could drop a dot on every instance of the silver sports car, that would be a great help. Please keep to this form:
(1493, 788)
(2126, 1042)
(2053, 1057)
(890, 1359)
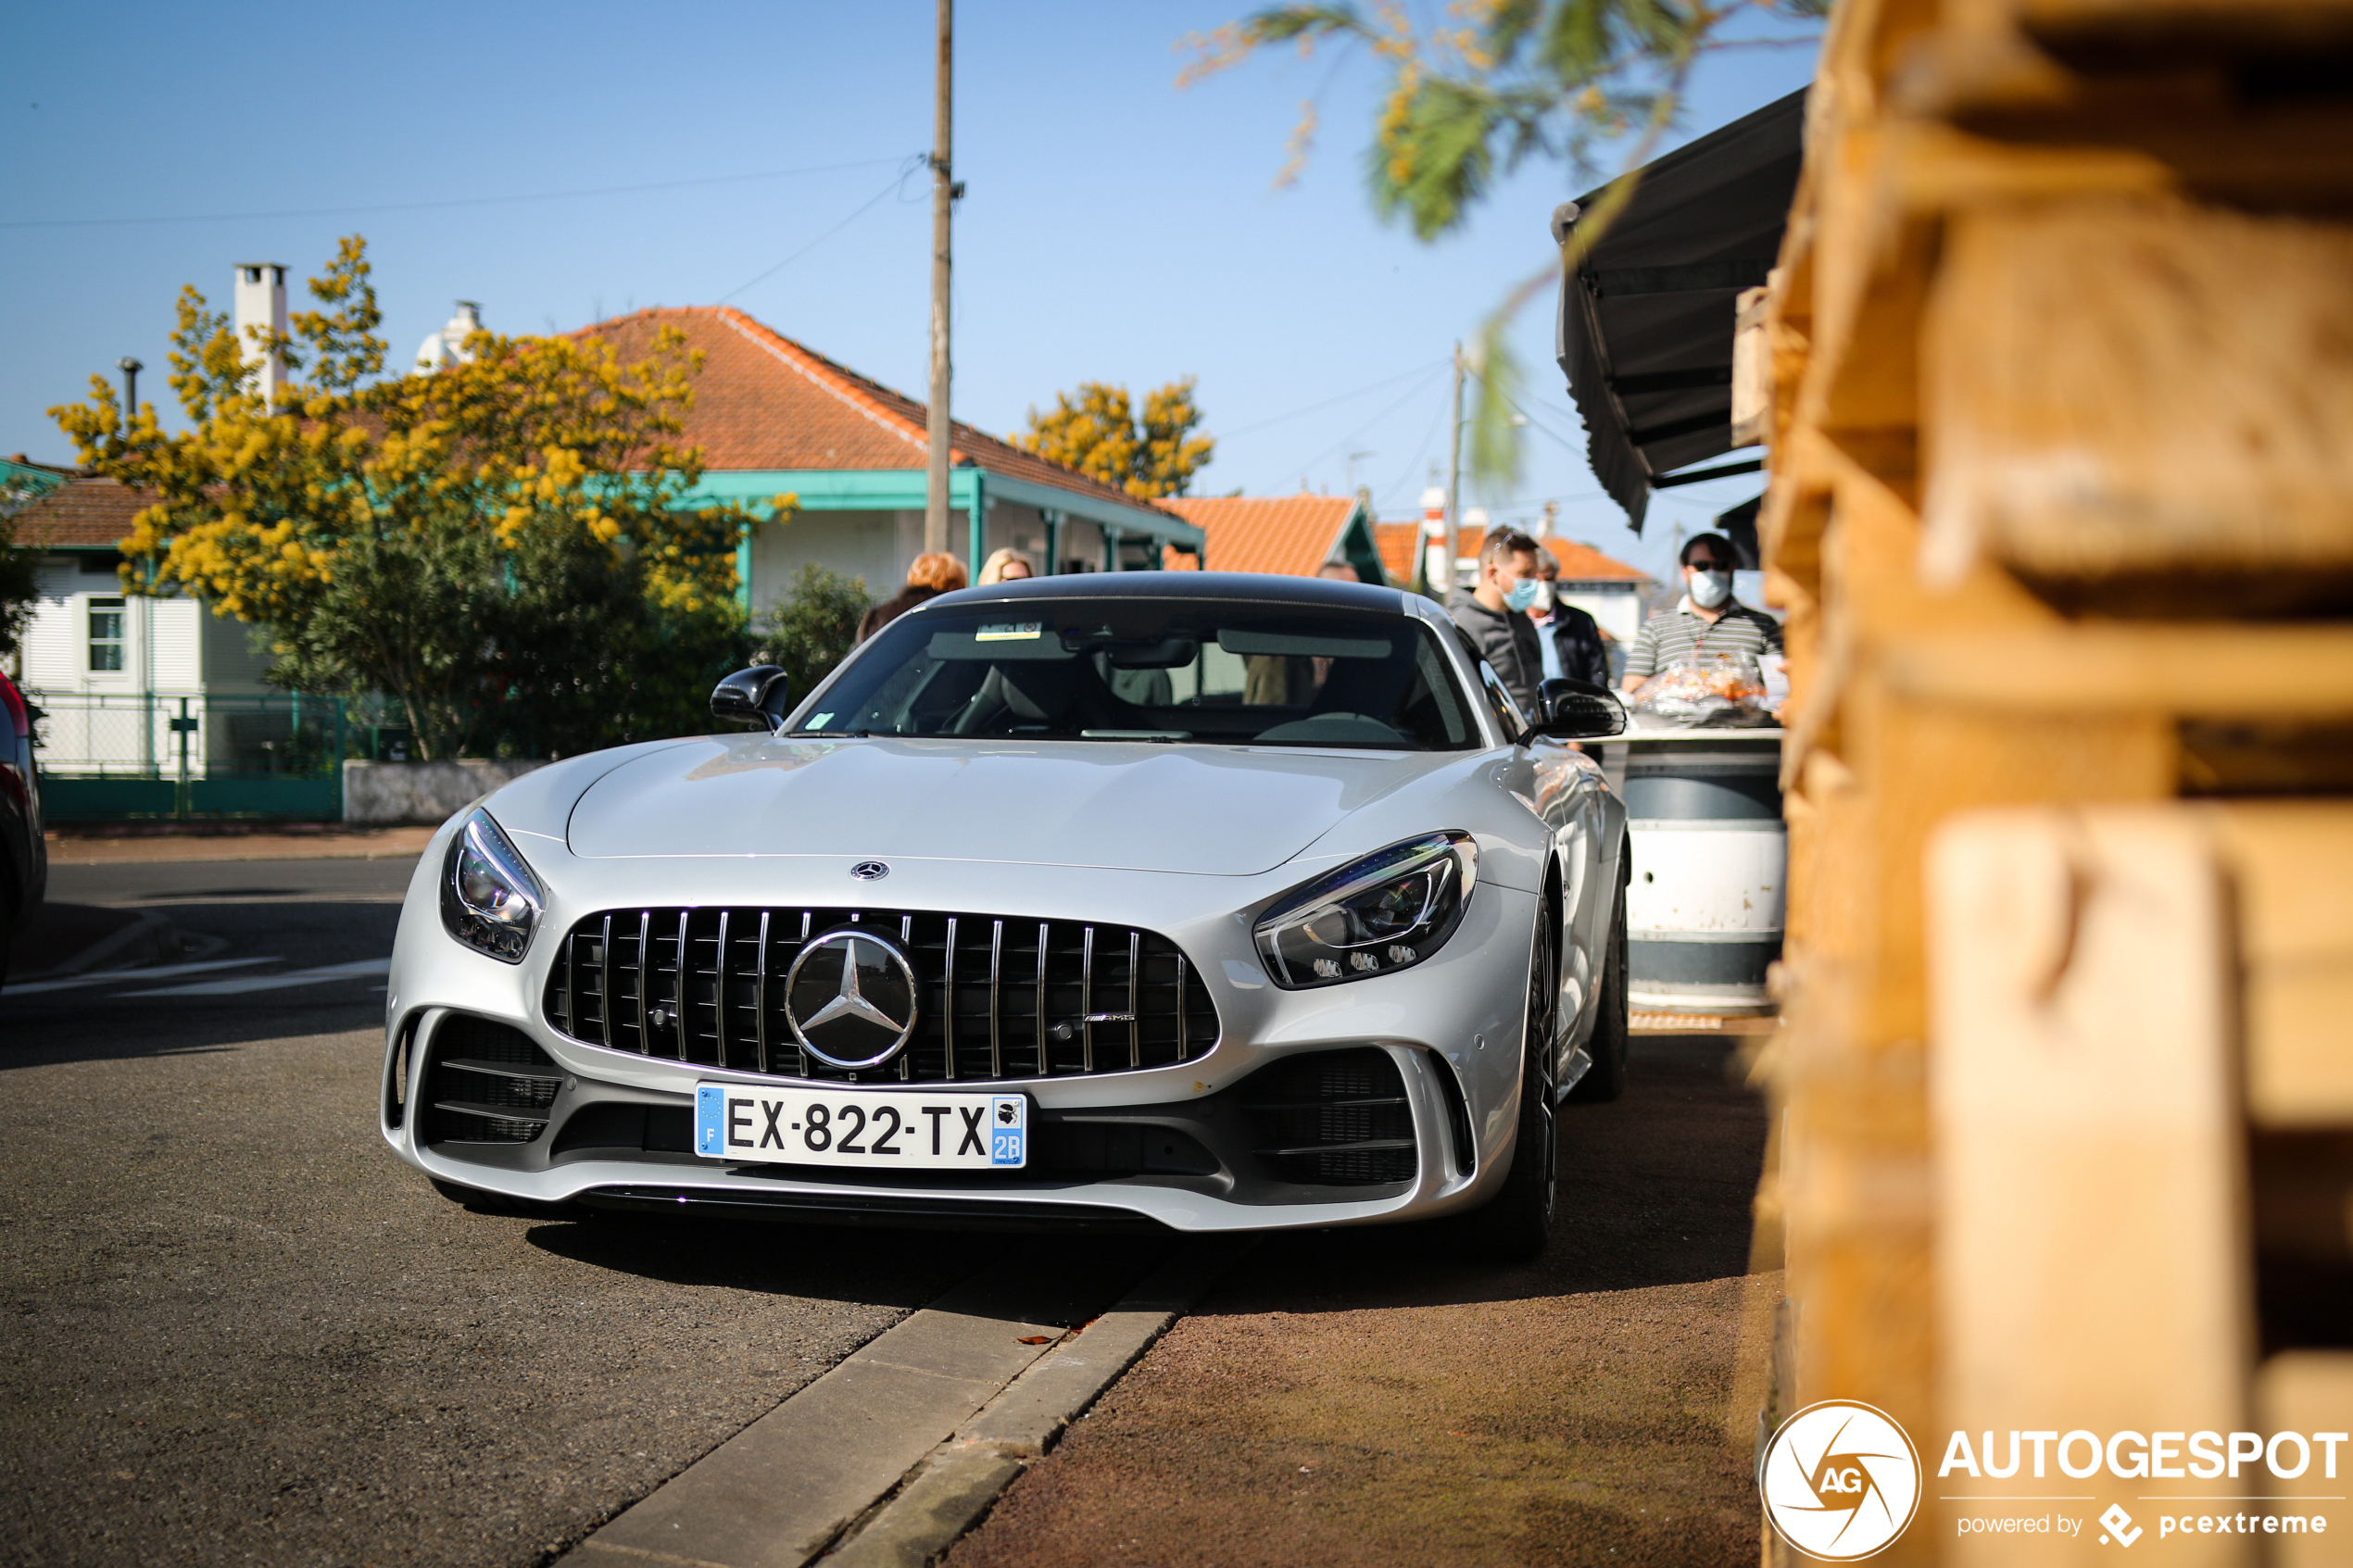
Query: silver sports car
(1219, 902)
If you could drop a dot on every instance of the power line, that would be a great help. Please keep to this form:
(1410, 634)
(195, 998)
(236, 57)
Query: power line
(1411, 393)
(1312, 407)
(454, 201)
(907, 166)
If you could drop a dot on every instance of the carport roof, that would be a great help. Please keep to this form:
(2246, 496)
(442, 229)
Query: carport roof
(1645, 332)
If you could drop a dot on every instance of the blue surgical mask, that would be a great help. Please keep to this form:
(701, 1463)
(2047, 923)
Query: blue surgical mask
(1522, 594)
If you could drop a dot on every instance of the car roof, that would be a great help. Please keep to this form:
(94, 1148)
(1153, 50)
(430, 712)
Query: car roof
(1254, 587)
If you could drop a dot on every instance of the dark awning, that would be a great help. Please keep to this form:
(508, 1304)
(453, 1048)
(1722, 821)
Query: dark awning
(1645, 333)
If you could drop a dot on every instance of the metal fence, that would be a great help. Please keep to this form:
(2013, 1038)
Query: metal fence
(157, 755)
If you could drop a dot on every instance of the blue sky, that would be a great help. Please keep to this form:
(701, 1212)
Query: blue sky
(1116, 227)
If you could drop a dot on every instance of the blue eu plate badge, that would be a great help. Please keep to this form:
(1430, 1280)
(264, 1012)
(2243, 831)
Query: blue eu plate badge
(709, 1114)
(1008, 1129)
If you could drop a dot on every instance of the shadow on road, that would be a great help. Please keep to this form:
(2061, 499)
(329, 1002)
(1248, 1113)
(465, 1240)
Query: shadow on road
(1369, 1397)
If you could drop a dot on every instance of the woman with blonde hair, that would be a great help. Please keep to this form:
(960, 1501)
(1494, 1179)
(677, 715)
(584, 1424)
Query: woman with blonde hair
(934, 573)
(1006, 566)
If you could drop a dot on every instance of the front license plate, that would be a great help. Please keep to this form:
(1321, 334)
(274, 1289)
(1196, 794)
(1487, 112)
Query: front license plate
(875, 1128)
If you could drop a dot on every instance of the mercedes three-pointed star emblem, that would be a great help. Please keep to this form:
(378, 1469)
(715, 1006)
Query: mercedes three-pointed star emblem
(851, 998)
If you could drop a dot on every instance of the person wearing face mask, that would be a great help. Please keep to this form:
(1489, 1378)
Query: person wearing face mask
(1708, 622)
(1572, 640)
(1494, 612)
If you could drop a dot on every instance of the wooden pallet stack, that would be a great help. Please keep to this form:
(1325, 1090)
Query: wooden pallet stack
(2061, 513)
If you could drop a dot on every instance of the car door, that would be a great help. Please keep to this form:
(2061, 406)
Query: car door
(1566, 790)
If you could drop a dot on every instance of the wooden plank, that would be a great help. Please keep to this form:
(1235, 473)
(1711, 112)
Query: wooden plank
(2308, 1391)
(2290, 866)
(2185, 416)
(2221, 671)
(2091, 1253)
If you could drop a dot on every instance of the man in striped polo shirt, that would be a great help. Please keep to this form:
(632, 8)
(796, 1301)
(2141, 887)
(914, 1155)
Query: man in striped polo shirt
(1708, 622)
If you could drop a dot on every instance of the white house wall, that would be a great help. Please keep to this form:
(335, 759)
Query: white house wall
(881, 545)
(170, 644)
(1618, 611)
(876, 545)
(229, 661)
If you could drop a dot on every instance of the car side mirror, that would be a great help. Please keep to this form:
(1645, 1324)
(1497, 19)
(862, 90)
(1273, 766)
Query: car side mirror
(1579, 710)
(761, 695)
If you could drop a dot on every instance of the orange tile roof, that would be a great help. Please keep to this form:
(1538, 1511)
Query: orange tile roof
(84, 511)
(1289, 534)
(1579, 563)
(766, 402)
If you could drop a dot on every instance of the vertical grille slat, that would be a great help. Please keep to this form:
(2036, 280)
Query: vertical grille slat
(678, 989)
(645, 967)
(800, 1052)
(948, 1005)
(1087, 1003)
(608, 988)
(1135, 1019)
(996, 1030)
(604, 996)
(718, 992)
(1046, 1059)
(760, 994)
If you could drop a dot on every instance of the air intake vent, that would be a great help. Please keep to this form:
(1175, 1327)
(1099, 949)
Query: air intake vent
(1333, 1119)
(997, 996)
(485, 1083)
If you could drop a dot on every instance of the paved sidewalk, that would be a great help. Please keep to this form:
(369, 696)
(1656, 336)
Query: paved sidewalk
(67, 848)
(1368, 1397)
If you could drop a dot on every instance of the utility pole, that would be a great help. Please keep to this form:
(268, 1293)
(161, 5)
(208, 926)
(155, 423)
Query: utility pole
(1454, 467)
(943, 197)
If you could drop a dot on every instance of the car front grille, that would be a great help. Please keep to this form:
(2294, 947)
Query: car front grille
(999, 997)
(1333, 1119)
(486, 1082)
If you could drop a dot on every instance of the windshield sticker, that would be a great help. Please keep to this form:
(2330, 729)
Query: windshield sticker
(819, 721)
(1009, 632)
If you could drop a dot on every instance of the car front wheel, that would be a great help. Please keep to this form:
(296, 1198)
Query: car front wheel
(1514, 1226)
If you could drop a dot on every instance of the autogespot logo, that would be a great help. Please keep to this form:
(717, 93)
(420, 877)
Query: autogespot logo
(1840, 1480)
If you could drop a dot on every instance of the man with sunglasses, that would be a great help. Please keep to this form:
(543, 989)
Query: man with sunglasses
(1706, 623)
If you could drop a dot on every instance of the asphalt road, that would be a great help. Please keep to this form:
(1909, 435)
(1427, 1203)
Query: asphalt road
(240, 1331)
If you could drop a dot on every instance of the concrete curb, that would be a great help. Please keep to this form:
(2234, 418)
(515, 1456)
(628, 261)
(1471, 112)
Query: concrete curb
(961, 1480)
(146, 939)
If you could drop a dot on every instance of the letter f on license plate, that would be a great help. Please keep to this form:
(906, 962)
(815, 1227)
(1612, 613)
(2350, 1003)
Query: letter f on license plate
(864, 1128)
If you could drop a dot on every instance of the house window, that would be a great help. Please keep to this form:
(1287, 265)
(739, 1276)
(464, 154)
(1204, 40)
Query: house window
(105, 634)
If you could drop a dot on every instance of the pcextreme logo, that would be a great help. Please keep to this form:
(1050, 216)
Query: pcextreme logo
(1841, 1480)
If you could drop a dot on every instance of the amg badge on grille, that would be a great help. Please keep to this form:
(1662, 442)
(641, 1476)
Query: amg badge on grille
(851, 998)
(870, 870)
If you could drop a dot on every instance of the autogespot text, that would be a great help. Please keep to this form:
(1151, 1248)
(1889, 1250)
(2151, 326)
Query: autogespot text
(2162, 1456)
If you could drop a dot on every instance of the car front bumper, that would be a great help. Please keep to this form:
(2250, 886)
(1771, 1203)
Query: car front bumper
(1177, 1146)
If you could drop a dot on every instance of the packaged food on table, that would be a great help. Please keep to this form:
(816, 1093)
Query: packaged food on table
(1712, 690)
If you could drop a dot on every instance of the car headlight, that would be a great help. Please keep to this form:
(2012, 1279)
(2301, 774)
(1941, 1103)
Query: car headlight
(489, 899)
(1386, 913)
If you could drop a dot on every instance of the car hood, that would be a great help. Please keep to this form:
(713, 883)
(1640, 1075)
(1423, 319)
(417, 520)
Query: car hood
(1219, 810)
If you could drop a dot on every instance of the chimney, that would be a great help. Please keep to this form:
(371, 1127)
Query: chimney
(447, 348)
(1475, 526)
(261, 305)
(1438, 551)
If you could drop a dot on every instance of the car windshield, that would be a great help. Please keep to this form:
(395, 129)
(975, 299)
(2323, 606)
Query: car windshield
(1200, 671)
